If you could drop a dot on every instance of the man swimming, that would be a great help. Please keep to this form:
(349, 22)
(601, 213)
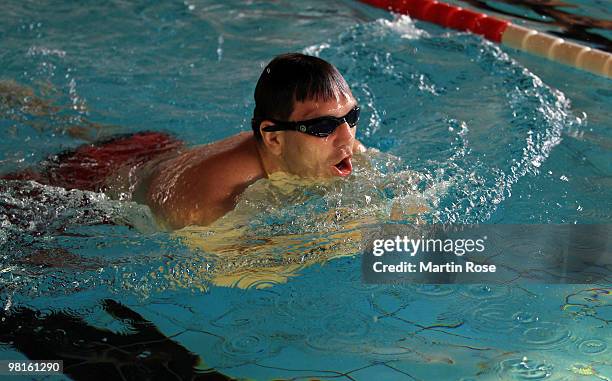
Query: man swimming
(303, 124)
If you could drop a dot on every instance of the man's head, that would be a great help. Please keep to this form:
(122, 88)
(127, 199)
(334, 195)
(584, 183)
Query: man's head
(294, 87)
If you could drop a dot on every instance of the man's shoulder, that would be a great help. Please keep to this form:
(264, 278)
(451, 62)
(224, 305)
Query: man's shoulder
(230, 162)
(202, 184)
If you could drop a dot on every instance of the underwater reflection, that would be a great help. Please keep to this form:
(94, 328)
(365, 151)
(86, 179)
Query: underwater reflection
(142, 352)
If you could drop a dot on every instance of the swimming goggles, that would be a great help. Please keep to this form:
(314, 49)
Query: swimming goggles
(321, 127)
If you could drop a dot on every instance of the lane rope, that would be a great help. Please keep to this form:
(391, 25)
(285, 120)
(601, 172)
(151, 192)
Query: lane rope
(502, 31)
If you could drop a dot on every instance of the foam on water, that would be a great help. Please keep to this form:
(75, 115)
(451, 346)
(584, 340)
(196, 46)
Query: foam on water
(423, 84)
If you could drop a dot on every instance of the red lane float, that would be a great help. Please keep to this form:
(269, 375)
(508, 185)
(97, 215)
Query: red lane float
(502, 31)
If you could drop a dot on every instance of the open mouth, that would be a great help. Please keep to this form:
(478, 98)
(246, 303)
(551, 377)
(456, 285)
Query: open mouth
(343, 168)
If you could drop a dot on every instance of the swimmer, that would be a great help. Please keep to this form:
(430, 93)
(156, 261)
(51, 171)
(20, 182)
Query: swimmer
(304, 125)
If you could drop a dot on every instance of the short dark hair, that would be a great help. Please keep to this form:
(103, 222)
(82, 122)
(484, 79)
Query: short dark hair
(290, 78)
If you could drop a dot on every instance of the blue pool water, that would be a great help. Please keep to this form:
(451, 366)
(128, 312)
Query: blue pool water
(474, 132)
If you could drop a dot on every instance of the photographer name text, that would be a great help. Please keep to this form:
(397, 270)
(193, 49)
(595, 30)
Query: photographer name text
(430, 267)
(411, 247)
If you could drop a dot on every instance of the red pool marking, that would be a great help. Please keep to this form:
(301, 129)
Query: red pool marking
(490, 27)
(446, 15)
(465, 20)
(439, 13)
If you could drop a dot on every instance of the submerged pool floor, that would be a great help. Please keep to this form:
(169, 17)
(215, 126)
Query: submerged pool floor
(469, 131)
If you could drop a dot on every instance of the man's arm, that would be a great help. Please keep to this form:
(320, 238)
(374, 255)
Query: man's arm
(204, 185)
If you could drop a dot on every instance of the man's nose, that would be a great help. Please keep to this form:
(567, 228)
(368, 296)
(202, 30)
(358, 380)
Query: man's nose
(343, 133)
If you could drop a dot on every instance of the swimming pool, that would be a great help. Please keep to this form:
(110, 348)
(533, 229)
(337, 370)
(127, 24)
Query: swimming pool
(497, 137)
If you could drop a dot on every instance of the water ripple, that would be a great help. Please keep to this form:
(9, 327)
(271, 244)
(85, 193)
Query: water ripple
(347, 331)
(593, 347)
(249, 346)
(524, 369)
(544, 335)
(485, 291)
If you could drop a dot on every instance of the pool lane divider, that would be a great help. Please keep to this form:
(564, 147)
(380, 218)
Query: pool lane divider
(502, 31)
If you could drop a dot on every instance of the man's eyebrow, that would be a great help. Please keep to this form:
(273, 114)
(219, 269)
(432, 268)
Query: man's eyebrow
(309, 115)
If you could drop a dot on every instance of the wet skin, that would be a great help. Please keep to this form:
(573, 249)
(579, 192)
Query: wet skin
(201, 185)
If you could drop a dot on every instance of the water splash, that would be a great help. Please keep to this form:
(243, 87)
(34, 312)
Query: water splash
(443, 163)
(419, 96)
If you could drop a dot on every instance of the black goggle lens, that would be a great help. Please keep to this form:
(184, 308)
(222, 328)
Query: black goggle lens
(320, 127)
(327, 126)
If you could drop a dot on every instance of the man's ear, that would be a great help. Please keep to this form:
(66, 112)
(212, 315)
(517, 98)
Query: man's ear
(273, 140)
